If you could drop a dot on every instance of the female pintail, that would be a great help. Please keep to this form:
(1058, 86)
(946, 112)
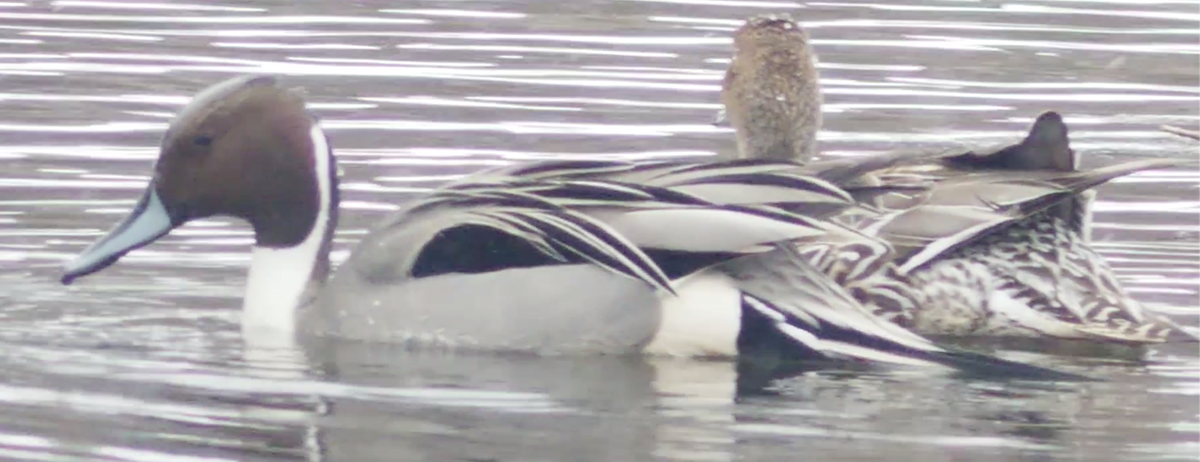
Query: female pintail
(950, 271)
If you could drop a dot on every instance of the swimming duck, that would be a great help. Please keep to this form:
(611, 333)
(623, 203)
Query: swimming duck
(1033, 274)
(772, 83)
(522, 258)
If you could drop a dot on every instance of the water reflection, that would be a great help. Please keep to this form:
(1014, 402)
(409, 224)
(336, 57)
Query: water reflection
(145, 362)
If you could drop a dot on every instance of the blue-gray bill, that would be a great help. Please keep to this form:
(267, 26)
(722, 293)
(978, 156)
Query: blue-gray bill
(148, 221)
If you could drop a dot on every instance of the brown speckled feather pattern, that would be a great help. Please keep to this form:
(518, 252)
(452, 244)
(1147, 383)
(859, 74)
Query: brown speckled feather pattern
(772, 89)
(1021, 272)
(1045, 264)
(1030, 272)
(992, 242)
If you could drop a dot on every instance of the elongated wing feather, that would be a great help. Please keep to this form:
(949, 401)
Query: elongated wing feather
(546, 226)
(962, 210)
(922, 234)
(815, 312)
(576, 214)
(702, 229)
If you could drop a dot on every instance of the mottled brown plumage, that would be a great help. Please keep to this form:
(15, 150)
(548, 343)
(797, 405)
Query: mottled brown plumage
(987, 248)
(771, 91)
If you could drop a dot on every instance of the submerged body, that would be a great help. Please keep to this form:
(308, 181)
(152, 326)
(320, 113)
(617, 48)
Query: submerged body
(1032, 275)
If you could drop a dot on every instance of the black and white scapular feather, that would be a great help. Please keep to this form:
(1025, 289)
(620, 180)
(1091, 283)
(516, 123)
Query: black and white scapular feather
(715, 243)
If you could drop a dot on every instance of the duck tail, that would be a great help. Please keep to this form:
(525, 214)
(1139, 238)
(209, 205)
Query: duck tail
(1080, 181)
(789, 305)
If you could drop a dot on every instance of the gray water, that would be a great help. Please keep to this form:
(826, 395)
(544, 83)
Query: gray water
(145, 362)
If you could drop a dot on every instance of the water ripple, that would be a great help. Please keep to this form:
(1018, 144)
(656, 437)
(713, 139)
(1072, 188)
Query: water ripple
(144, 361)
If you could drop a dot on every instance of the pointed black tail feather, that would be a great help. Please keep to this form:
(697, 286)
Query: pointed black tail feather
(981, 365)
(1047, 146)
(830, 342)
(798, 309)
(782, 342)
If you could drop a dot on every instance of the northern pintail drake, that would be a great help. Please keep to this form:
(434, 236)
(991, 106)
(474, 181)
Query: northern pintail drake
(951, 270)
(549, 258)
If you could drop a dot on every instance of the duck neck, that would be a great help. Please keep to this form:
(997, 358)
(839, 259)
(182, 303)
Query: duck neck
(284, 279)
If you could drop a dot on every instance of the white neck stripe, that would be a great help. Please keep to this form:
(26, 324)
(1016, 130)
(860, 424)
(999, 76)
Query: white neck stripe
(279, 277)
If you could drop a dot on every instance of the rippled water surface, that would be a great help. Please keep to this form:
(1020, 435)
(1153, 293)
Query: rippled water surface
(145, 361)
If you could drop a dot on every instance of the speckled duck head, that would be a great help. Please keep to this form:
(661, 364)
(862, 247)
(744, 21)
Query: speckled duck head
(249, 149)
(771, 93)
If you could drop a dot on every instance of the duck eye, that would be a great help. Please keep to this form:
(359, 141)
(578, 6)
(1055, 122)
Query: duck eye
(203, 140)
